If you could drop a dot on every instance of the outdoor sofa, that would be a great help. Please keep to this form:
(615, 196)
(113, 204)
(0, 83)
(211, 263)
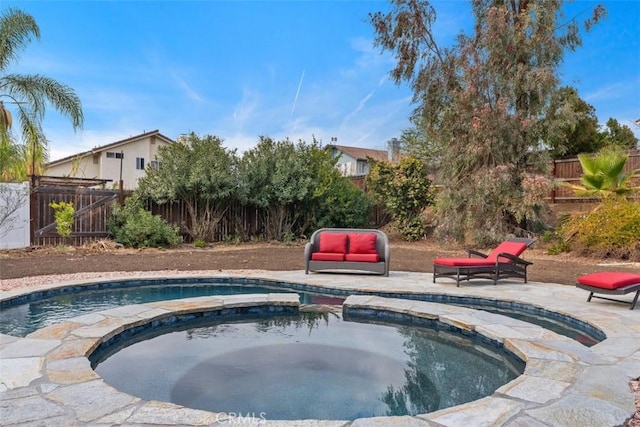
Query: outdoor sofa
(342, 249)
(503, 262)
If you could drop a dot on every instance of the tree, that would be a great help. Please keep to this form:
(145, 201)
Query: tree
(617, 135)
(576, 130)
(482, 102)
(11, 162)
(29, 94)
(200, 173)
(405, 191)
(287, 181)
(343, 205)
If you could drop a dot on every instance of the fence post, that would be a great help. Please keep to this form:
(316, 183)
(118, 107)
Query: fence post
(553, 190)
(33, 208)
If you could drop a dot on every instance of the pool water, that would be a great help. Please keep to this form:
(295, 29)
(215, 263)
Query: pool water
(583, 337)
(315, 365)
(37, 310)
(20, 320)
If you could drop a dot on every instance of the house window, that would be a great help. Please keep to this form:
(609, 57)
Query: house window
(154, 164)
(114, 155)
(140, 163)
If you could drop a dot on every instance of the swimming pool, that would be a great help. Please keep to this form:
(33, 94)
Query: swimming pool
(560, 376)
(22, 315)
(315, 365)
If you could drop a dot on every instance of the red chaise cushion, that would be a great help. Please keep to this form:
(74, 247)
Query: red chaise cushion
(327, 256)
(362, 243)
(609, 279)
(464, 262)
(333, 243)
(362, 257)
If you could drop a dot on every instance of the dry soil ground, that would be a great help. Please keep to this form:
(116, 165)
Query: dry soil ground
(416, 257)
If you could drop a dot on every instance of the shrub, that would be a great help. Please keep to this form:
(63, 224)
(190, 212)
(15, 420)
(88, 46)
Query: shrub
(199, 243)
(405, 191)
(559, 247)
(612, 229)
(63, 213)
(135, 227)
(343, 205)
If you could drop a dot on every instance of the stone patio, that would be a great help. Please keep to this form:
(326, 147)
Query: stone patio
(46, 378)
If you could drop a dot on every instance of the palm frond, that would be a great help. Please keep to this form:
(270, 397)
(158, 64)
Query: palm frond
(16, 30)
(36, 144)
(588, 164)
(37, 90)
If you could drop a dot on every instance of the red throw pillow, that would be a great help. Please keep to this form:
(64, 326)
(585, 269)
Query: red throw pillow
(362, 243)
(333, 242)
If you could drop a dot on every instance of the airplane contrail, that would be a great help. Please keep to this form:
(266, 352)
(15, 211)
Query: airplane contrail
(364, 100)
(295, 100)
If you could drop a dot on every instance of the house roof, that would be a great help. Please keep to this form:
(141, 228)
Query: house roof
(362, 153)
(113, 145)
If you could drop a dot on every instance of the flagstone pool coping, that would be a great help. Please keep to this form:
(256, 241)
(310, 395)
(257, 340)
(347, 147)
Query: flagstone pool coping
(46, 377)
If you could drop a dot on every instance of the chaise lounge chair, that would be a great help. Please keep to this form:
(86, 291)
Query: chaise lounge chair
(503, 262)
(611, 283)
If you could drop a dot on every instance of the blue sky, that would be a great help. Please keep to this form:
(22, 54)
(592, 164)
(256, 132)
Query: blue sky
(241, 69)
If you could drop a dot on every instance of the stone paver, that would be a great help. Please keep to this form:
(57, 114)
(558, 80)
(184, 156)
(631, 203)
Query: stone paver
(46, 379)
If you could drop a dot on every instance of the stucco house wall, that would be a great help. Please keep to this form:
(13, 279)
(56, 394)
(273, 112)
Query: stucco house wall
(354, 161)
(104, 162)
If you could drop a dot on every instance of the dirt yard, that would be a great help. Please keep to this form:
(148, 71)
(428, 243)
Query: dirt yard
(415, 257)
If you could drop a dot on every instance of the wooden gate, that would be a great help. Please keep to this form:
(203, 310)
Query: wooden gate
(92, 210)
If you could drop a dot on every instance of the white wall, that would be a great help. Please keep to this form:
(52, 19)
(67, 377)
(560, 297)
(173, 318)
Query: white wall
(14, 215)
(100, 166)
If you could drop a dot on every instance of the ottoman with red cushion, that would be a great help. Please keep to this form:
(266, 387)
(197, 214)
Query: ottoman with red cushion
(612, 283)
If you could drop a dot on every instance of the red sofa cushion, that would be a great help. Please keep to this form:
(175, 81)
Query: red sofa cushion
(362, 257)
(609, 279)
(464, 262)
(327, 256)
(362, 243)
(333, 243)
(513, 248)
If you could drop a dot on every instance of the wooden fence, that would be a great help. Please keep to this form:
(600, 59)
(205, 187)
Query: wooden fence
(94, 206)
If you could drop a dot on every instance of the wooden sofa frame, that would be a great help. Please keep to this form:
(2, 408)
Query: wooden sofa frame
(382, 248)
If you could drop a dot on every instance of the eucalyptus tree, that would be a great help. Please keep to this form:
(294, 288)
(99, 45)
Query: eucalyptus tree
(482, 101)
(27, 95)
